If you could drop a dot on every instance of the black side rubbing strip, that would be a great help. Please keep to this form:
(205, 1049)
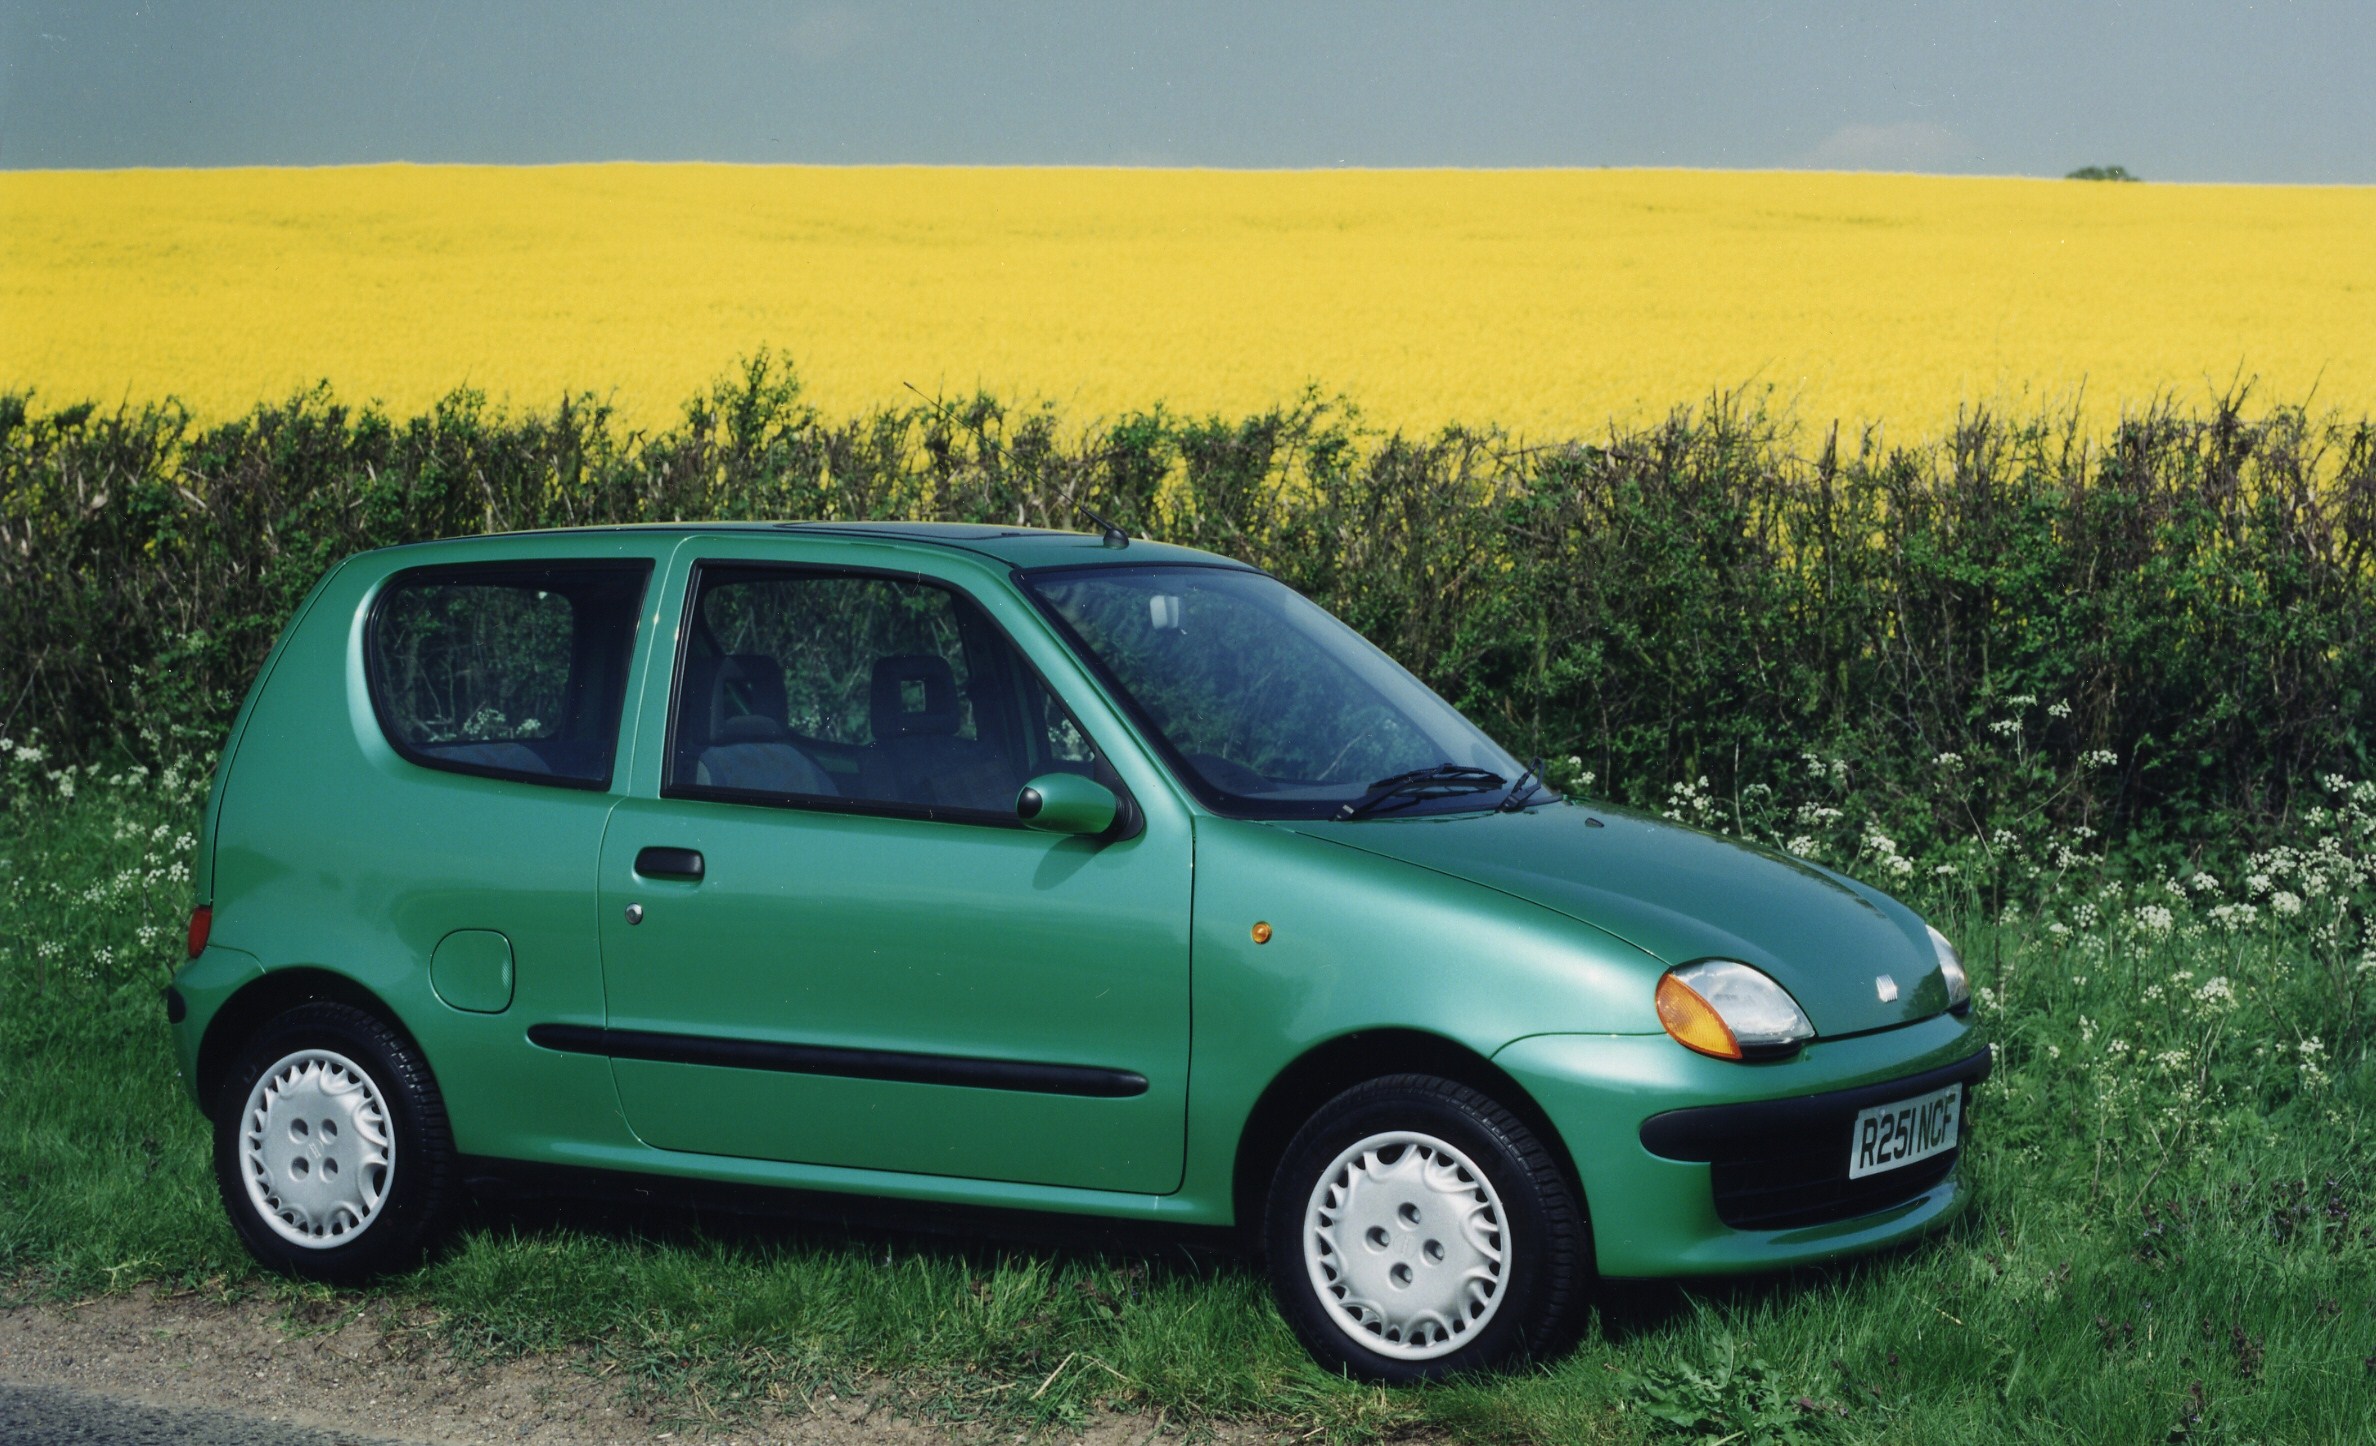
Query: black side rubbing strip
(1024, 1076)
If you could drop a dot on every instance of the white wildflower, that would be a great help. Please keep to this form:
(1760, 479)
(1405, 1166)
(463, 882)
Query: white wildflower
(2234, 917)
(2313, 1065)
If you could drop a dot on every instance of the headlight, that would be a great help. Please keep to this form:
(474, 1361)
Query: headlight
(1730, 1011)
(1959, 988)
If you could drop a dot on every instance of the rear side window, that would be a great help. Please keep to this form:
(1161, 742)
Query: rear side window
(509, 670)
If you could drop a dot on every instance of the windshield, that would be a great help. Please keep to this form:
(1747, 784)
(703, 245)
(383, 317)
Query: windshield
(1268, 706)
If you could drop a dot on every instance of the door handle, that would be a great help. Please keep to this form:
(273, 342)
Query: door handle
(683, 864)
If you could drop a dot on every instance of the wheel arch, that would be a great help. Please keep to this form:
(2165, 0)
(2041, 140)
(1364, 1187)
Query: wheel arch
(261, 1000)
(1335, 1065)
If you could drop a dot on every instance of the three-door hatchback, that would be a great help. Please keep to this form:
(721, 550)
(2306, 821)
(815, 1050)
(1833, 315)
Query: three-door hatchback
(1025, 869)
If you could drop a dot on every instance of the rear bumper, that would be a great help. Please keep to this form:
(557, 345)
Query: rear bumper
(201, 988)
(1660, 1135)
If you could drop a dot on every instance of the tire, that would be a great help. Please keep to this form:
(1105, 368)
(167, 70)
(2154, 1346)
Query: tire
(331, 1149)
(1440, 1210)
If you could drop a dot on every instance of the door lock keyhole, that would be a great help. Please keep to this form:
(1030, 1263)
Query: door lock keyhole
(635, 913)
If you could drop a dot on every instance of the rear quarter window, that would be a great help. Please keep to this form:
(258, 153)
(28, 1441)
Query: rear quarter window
(508, 670)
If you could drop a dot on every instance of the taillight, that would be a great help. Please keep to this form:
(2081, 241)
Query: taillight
(201, 925)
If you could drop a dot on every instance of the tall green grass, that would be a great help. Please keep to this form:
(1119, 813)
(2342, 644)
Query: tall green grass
(2173, 1237)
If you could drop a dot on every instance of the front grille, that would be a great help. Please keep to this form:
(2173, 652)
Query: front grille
(1809, 1185)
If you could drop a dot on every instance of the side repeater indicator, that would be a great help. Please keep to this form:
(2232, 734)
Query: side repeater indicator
(1262, 933)
(1886, 987)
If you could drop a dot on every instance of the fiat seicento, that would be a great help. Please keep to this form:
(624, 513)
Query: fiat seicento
(1030, 870)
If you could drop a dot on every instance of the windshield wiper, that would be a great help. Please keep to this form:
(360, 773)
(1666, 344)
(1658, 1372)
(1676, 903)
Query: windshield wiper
(1444, 780)
(1523, 789)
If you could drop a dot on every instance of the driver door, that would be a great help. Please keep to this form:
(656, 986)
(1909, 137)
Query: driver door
(850, 953)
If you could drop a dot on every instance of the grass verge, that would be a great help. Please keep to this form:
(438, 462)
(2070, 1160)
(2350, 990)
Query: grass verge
(2174, 1235)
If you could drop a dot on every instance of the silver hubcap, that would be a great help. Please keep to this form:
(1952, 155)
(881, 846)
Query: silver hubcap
(317, 1150)
(1407, 1245)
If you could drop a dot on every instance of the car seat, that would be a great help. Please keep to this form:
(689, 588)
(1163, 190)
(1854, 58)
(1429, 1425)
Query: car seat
(917, 716)
(742, 740)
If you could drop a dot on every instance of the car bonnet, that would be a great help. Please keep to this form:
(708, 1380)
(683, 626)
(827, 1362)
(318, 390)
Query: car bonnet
(1854, 960)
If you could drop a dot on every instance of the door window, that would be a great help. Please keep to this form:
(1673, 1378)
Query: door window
(859, 691)
(511, 670)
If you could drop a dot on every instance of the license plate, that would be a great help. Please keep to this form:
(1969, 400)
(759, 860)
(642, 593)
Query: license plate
(1888, 1136)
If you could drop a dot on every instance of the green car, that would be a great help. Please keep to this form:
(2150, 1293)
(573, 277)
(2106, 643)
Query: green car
(1052, 872)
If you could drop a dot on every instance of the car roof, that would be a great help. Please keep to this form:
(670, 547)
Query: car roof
(1019, 547)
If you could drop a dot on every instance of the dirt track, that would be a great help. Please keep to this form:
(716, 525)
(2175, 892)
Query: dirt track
(351, 1374)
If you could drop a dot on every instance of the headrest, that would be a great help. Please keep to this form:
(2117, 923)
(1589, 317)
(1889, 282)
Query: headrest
(746, 685)
(749, 728)
(915, 696)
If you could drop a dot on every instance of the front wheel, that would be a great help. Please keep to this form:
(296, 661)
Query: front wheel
(331, 1147)
(1417, 1229)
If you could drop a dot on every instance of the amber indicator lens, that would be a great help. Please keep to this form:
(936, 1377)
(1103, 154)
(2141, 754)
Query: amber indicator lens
(1693, 1021)
(1262, 933)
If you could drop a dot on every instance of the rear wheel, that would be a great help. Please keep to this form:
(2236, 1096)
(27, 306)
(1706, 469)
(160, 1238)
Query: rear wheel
(1417, 1229)
(331, 1148)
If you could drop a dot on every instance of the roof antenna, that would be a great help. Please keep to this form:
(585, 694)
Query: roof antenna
(1108, 533)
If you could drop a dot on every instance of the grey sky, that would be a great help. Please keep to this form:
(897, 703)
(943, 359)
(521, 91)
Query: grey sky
(2173, 89)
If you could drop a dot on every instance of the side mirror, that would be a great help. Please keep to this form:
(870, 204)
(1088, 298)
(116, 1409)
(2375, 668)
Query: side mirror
(1067, 803)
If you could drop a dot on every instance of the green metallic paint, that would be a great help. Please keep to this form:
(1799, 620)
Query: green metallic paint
(1066, 803)
(1683, 895)
(1361, 943)
(1531, 939)
(471, 970)
(789, 938)
(207, 983)
(202, 873)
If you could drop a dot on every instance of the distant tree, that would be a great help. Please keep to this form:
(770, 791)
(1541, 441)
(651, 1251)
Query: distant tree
(2102, 173)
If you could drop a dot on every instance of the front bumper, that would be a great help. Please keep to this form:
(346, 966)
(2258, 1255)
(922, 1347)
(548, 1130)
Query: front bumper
(1654, 1214)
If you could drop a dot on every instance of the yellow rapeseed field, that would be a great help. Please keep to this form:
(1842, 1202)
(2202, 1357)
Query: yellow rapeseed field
(1545, 300)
